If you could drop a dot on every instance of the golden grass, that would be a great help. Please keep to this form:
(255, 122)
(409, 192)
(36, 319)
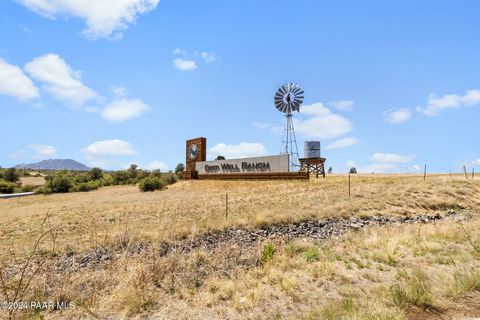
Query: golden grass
(380, 272)
(33, 181)
(191, 207)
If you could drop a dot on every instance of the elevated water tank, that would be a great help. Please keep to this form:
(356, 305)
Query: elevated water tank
(312, 149)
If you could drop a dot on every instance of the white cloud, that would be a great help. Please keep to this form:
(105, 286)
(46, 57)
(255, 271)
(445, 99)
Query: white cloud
(389, 163)
(185, 65)
(455, 101)
(415, 167)
(120, 110)
(15, 83)
(118, 91)
(315, 121)
(397, 116)
(179, 52)
(436, 105)
(104, 19)
(35, 152)
(323, 124)
(154, 165)
(262, 125)
(471, 98)
(44, 151)
(241, 150)
(344, 105)
(342, 143)
(60, 79)
(390, 158)
(351, 163)
(207, 57)
(109, 148)
(379, 168)
(267, 126)
(316, 109)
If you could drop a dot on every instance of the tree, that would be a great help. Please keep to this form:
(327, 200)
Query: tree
(11, 175)
(220, 158)
(61, 183)
(330, 170)
(133, 171)
(120, 177)
(96, 173)
(180, 167)
(353, 170)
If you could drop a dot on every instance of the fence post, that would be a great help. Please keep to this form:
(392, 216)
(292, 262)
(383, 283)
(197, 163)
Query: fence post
(226, 206)
(349, 186)
(473, 173)
(425, 172)
(465, 170)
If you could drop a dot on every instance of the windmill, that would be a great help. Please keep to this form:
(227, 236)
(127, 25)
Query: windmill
(288, 98)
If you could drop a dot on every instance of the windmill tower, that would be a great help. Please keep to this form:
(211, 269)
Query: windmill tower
(289, 98)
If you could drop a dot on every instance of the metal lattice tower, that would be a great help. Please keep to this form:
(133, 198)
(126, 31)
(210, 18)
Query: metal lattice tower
(289, 143)
(288, 98)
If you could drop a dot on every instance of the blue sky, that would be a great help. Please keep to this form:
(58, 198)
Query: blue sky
(389, 86)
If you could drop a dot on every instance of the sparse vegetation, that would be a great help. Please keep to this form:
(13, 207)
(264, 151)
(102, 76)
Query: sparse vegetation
(381, 272)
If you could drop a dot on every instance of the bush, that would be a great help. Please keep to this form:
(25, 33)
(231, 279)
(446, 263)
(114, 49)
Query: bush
(120, 177)
(86, 186)
(11, 175)
(151, 184)
(44, 190)
(7, 186)
(28, 188)
(61, 183)
(82, 177)
(170, 178)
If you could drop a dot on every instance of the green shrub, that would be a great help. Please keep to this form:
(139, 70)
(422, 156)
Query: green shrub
(82, 178)
(7, 186)
(170, 178)
(268, 252)
(44, 190)
(11, 175)
(28, 188)
(61, 183)
(107, 180)
(86, 186)
(120, 177)
(151, 184)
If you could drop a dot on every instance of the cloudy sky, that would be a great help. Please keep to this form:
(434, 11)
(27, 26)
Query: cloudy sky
(389, 86)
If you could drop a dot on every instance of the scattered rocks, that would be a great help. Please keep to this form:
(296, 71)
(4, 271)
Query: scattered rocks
(311, 229)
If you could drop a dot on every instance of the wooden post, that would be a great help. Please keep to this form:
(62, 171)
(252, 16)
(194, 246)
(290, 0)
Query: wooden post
(425, 172)
(473, 173)
(465, 170)
(349, 186)
(226, 206)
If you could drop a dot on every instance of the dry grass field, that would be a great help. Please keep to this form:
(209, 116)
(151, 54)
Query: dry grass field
(401, 271)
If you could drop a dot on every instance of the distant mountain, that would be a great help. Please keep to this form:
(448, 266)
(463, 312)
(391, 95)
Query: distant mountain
(54, 164)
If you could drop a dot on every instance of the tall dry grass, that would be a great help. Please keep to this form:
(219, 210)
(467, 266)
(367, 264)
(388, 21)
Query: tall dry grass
(375, 273)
